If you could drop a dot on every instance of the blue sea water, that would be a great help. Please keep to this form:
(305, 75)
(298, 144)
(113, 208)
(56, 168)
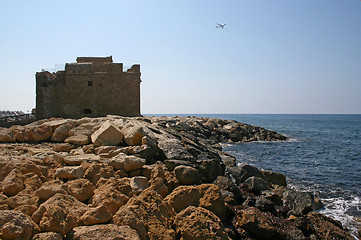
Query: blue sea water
(323, 156)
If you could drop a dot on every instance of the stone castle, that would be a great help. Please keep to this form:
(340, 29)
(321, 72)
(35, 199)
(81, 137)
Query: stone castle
(92, 87)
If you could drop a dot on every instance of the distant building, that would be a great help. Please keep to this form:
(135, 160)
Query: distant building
(92, 87)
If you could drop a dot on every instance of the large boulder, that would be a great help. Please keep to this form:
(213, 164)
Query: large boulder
(107, 135)
(96, 215)
(257, 184)
(199, 223)
(60, 213)
(61, 133)
(98, 170)
(126, 163)
(16, 225)
(82, 189)
(149, 214)
(32, 133)
(6, 135)
(50, 188)
(243, 172)
(256, 222)
(275, 178)
(104, 232)
(13, 183)
(112, 193)
(174, 149)
(210, 169)
(326, 228)
(300, 203)
(24, 199)
(205, 195)
(228, 189)
(187, 175)
(133, 134)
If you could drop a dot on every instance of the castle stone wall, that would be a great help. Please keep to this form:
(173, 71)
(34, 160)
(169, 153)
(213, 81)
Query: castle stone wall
(90, 89)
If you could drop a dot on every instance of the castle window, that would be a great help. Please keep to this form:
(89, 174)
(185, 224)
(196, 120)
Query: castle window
(90, 83)
(87, 111)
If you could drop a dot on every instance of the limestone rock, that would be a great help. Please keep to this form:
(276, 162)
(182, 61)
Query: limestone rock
(149, 215)
(275, 178)
(139, 183)
(56, 123)
(170, 181)
(60, 213)
(300, 202)
(157, 184)
(26, 209)
(205, 195)
(104, 232)
(212, 199)
(209, 170)
(32, 133)
(85, 127)
(257, 184)
(127, 163)
(131, 163)
(226, 185)
(13, 183)
(78, 140)
(243, 172)
(173, 149)
(32, 181)
(326, 228)
(6, 135)
(183, 197)
(112, 194)
(63, 147)
(199, 223)
(70, 172)
(25, 197)
(50, 188)
(16, 225)
(256, 222)
(7, 164)
(47, 236)
(96, 215)
(108, 135)
(98, 170)
(187, 175)
(82, 189)
(79, 159)
(133, 134)
(61, 133)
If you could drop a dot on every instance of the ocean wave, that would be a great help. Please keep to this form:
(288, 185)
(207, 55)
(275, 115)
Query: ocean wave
(343, 210)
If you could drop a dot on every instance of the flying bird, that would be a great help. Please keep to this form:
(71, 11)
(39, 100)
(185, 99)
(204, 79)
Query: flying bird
(220, 25)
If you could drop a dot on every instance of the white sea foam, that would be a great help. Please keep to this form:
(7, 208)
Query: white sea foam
(338, 208)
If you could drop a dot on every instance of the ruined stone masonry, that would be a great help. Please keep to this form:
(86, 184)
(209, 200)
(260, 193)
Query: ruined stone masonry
(91, 87)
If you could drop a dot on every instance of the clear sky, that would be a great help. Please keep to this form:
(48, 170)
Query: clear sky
(273, 56)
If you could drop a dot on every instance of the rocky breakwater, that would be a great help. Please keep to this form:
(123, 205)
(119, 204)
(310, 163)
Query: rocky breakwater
(146, 178)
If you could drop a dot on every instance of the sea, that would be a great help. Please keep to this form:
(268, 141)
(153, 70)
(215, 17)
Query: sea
(322, 156)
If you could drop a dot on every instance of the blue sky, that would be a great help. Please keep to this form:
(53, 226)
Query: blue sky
(273, 56)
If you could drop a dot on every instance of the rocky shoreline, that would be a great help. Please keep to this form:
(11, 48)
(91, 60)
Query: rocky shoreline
(147, 178)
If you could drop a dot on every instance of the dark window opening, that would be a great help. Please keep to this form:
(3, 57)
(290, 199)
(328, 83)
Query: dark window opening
(90, 83)
(87, 111)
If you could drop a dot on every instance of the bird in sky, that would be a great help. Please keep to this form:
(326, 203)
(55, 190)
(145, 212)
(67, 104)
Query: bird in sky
(220, 25)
